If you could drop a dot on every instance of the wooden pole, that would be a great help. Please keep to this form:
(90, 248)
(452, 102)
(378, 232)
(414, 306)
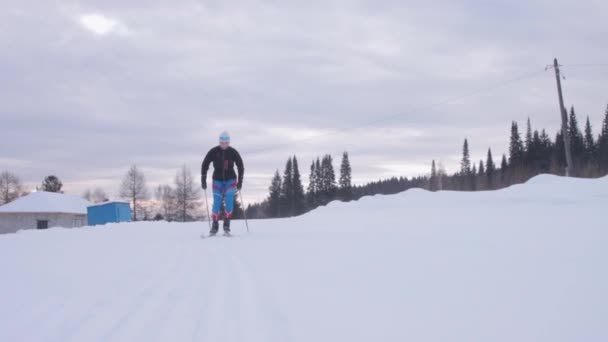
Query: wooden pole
(565, 133)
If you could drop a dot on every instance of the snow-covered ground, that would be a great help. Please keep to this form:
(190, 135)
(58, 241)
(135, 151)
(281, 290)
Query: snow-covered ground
(529, 263)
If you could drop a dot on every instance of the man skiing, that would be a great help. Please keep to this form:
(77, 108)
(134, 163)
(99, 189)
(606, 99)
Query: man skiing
(225, 182)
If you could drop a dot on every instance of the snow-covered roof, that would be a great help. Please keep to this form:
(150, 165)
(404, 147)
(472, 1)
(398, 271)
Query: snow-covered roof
(46, 202)
(105, 203)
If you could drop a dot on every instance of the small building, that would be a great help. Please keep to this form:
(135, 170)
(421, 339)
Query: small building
(41, 210)
(108, 212)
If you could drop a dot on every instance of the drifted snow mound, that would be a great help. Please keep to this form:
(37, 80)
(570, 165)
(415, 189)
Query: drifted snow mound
(527, 263)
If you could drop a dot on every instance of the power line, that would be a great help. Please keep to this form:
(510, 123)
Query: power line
(410, 111)
(450, 100)
(585, 65)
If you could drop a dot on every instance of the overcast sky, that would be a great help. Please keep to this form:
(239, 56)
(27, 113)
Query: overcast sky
(88, 88)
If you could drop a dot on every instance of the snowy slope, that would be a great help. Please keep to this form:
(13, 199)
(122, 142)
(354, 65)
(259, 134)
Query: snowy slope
(524, 264)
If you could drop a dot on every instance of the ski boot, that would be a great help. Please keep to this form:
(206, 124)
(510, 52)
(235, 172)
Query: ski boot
(227, 227)
(214, 228)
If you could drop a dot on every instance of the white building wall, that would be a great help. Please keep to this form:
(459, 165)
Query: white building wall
(12, 222)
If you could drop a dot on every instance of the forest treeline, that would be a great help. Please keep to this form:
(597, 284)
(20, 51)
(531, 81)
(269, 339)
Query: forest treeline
(531, 152)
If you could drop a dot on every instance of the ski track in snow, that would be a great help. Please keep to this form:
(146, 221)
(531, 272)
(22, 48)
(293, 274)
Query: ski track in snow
(127, 316)
(223, 301)
(240, 307)
(204, 292)
(144, 301)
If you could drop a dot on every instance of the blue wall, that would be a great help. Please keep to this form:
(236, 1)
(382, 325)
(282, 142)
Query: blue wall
(109, 212)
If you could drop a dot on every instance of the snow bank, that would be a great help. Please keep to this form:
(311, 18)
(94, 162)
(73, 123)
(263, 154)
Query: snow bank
(522, 264)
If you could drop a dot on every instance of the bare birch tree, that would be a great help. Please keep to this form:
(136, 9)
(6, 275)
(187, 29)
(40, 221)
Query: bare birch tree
(165, 195)
(186, 194)
(10, 187)
(134, 189)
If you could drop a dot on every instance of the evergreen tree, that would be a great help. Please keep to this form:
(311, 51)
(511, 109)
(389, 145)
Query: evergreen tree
(577, 145)
(51, 184)
(345, 182)
(490, 169)
(516, 148)
(480, 179)
(516, 172)
(331, 176)
(465, 168)
(534, 155)
(465, 164)
(604, 132)
(545, 140)
(319, 182)
(545, 152)
(528, 141)
(299, 198)
(433, 181)
(311, 194)
(287, 209)
(472, 178)
(274, 199)
(558, 163)
(603, 145)
(589, 142)
(504, 168)
(441, 176)
(328, 179)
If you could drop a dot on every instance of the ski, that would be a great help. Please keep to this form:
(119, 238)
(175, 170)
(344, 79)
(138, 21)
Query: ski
(225, 234)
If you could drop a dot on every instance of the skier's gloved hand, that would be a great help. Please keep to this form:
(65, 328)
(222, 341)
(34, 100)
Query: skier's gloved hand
(204, 183)
(239, 185)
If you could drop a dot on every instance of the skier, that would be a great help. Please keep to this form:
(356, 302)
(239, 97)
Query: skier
(225, 181)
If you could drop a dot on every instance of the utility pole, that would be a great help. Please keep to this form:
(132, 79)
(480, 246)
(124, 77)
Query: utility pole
(565, 133)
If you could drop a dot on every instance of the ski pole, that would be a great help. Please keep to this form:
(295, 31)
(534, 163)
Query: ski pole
(207, 205)
(244, 210)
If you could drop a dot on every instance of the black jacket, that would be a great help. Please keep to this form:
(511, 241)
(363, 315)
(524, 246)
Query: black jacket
(223, 164)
